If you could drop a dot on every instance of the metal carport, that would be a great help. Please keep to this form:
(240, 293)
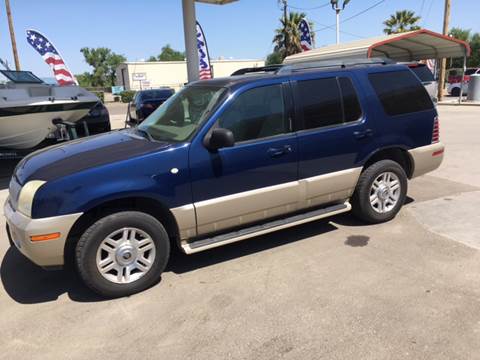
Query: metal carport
(410, 46)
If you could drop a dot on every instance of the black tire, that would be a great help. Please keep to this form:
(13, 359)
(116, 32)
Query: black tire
(361, 206)
(87, 246)
(455, 91)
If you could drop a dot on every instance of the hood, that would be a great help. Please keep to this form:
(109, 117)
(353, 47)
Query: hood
(74, 156)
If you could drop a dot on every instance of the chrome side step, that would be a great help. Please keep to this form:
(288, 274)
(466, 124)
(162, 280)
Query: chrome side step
(265, 228)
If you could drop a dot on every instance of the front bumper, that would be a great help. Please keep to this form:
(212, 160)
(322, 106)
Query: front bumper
(43, 253)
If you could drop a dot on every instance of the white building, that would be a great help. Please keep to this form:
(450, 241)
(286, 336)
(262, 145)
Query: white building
(154, 74)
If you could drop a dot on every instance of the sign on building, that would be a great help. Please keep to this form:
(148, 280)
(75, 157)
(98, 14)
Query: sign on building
(139, 76)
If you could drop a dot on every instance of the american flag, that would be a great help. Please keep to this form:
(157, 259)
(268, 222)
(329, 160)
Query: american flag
(305, 36)
(51, 56)
(204, 68)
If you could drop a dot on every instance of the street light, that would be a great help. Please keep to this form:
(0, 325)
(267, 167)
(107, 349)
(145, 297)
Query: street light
(337, 8)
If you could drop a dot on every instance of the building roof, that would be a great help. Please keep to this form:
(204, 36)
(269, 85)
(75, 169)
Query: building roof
(414, 45)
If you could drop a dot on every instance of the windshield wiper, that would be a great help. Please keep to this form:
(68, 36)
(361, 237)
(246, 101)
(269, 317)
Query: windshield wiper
(144, 133)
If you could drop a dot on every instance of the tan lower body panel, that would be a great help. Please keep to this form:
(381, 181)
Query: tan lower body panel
(257, 205)
(189, 250)
(427, 158)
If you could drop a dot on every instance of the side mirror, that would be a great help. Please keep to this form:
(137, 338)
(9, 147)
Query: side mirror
(219, 138)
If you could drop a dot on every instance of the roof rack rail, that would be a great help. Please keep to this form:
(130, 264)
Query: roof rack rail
(263, 69)
(312, 65)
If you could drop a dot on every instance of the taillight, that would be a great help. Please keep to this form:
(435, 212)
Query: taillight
(436, 131)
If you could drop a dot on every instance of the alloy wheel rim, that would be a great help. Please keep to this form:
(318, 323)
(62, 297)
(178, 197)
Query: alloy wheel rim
(125, 255)
(385, 192)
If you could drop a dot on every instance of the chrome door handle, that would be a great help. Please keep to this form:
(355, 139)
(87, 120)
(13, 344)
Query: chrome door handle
(275, 152)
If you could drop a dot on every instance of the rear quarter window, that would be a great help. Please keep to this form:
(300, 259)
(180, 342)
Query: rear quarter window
(400, 92)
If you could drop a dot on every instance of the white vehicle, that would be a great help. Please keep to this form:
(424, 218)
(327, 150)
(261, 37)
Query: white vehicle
(454, 82)
(32, 111)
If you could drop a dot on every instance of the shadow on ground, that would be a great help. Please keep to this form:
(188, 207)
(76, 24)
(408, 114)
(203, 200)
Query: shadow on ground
(27, 283)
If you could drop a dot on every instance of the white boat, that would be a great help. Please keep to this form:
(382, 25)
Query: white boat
(31, 110)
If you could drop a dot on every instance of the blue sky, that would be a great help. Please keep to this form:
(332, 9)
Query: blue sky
(139, 28)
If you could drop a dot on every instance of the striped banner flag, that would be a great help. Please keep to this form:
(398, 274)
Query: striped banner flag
(204, 68)
(306, 40)
(51, 56)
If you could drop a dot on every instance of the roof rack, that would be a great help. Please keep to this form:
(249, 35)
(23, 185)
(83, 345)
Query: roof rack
(312, 65)
(260, 69)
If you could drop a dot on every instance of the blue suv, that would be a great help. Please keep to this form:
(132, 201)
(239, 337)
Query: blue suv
(225, 160)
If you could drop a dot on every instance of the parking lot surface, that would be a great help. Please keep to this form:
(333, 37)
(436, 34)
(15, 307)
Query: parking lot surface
(332, 289)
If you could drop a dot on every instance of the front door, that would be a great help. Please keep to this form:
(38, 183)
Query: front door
(257, 177)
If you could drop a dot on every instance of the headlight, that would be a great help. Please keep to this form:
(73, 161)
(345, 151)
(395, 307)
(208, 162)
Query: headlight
(25, 199)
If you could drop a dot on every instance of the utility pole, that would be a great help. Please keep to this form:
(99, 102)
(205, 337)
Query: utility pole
(12, 35)
(446, 21)
(337, 8)
(285, 32)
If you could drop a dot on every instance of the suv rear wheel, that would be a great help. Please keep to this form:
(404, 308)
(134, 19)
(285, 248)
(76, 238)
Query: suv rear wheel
(122, 254)
(380, 192)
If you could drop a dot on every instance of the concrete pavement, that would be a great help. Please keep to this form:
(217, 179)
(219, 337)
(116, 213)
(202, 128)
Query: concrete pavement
(333, 289)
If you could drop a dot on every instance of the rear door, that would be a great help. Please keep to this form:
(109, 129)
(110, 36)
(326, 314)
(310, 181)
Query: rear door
(335, 130)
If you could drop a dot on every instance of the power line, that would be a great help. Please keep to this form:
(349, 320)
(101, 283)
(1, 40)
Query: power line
(311, 8)
(332, 27)
(364, 11)
(354, 16)
(421, 7)
(424, 20)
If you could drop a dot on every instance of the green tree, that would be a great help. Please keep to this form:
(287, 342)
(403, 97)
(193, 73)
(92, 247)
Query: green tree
(287, 36)
(168, 54)
(274, 59)
(85, 79)
(473, 39)
(401, 21)
(104, 63)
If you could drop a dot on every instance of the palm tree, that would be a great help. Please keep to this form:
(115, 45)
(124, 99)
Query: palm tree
(287, 37)
(401, 21)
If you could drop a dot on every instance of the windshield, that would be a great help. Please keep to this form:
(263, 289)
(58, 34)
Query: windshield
(20, 77)
(178, 118)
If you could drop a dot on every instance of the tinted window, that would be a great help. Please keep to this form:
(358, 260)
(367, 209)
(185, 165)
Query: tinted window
(351, 106)
(470, 71)
(320, 102)
(155, 94)
(423, 73)
(256, 114)
(400, 92)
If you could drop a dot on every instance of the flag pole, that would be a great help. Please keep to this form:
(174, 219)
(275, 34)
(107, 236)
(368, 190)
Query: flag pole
(12, 35)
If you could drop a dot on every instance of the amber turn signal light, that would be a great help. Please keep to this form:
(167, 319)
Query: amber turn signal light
(45, 237)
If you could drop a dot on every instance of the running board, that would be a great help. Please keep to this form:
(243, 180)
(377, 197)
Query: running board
(265, 228)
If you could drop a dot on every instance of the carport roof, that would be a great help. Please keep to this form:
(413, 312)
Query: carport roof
(414, 45)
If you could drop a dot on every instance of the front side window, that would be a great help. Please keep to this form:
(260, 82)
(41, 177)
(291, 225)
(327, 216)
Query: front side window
(183, 113)
(256, 113)
(400, 92)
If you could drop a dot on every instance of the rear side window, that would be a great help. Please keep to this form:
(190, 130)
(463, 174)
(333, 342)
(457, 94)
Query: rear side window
(400, 92)
(351, 106)
(322, 104)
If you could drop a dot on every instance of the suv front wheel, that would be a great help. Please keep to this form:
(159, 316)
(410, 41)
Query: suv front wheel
(380, 193)
(123, 253)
